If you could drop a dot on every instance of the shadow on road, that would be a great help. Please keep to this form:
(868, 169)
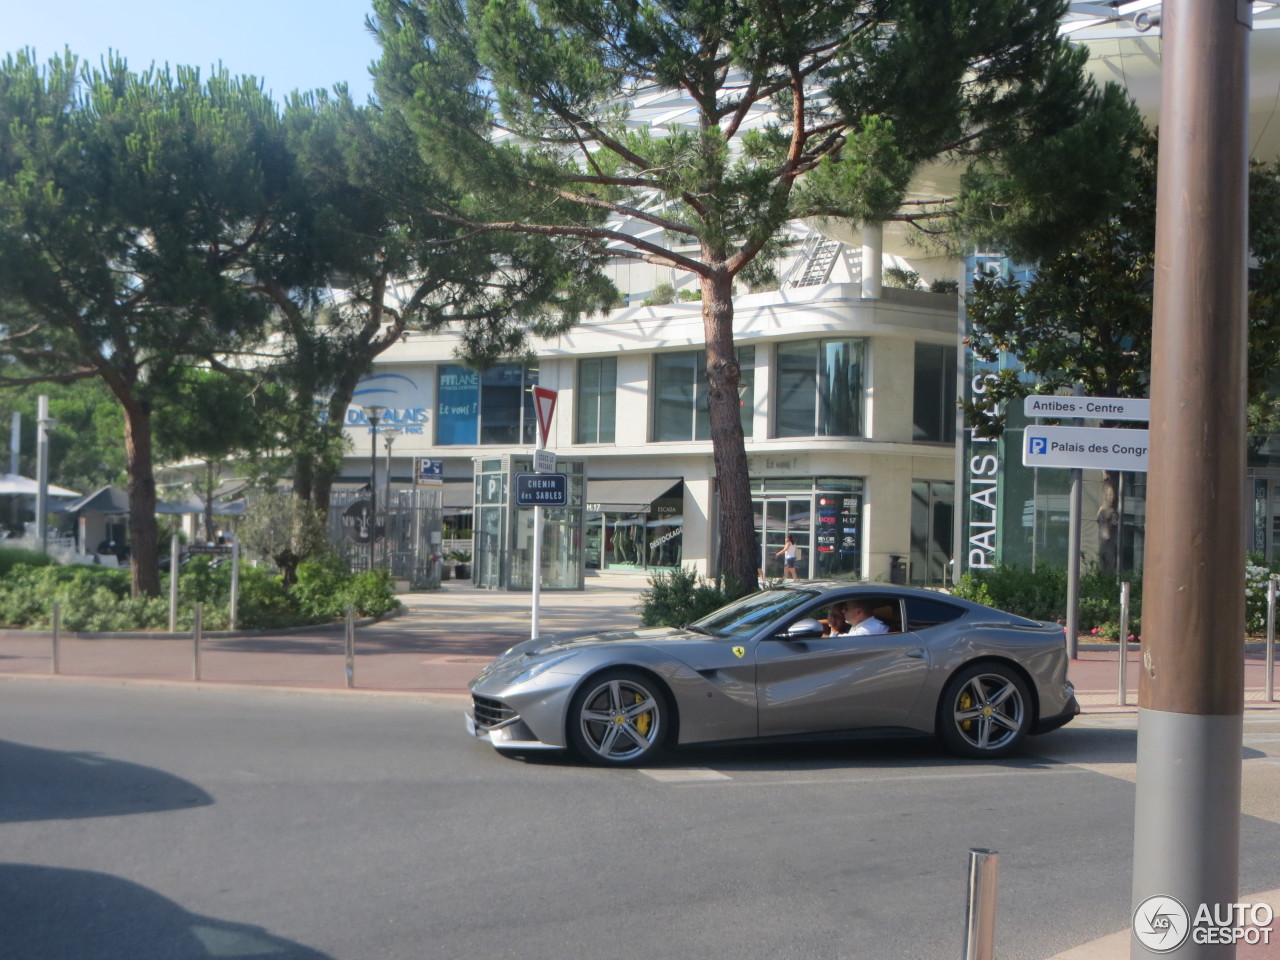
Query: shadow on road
(51, 914)
(40, 784)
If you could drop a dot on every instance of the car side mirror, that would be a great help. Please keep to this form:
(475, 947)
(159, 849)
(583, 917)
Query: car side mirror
(806, 629)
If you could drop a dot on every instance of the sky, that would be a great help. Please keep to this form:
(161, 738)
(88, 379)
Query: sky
(289, 44)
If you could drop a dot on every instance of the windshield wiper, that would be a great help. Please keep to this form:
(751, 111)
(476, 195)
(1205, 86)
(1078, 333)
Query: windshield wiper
(696, 629)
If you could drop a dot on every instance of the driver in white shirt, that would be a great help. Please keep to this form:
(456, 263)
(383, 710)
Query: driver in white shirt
(862, 622)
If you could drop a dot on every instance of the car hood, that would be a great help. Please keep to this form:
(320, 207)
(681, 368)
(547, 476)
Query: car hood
(550, 644)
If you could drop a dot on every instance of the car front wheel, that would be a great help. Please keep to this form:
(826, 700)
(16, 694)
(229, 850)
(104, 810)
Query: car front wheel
(619, 717)
(985, 711)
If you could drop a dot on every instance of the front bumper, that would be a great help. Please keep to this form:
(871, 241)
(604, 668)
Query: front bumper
(501, 727)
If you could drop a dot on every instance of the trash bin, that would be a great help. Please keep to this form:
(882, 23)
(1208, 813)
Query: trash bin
(897, 570)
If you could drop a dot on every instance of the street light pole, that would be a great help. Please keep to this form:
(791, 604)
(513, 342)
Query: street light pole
(389, 435)
(44, 423)
(374, 413)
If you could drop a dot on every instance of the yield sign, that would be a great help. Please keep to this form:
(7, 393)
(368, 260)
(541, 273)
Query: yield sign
(544, 401)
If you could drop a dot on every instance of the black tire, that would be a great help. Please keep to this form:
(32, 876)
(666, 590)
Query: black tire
(985, 712)
(619, 718)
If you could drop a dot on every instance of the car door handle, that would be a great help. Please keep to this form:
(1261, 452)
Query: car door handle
(917, 653)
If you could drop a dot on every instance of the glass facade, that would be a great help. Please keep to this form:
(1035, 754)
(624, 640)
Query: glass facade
(1019, 515)
(680, 395)
(597, 390)
(932, 516)
(493, 407)
(934, 406)
(504, 532)
(819, 388)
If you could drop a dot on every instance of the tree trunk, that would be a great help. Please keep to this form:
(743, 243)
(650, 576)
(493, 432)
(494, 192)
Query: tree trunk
(737, 562)
(208, 501)
(1109, 523)
(143, 551)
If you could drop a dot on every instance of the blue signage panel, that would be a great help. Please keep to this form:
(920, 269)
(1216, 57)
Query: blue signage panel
(542, 489)
(430, 472)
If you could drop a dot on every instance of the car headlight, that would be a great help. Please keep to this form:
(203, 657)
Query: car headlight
(539, 668)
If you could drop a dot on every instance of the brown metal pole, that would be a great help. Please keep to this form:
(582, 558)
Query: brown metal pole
(1191, 686)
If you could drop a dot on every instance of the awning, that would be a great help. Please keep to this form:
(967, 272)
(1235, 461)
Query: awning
(13, 484)
(114, 501)
(628, 496)
(458, 495)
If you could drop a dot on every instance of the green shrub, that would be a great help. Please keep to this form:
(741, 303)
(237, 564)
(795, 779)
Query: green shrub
(11, 557)
(677, 597)
(98, 599)
(1042, 595)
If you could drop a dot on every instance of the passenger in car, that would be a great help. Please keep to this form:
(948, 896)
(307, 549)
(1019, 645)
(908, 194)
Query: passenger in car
(861, 620)
(835, 622)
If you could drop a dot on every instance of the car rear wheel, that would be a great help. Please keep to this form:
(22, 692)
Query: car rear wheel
(619, 717)
(985, 711)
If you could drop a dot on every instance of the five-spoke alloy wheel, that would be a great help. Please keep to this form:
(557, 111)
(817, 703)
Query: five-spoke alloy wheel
(985, 711)
(618, 717)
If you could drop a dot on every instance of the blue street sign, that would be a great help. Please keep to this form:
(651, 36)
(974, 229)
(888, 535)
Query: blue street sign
(542, 489)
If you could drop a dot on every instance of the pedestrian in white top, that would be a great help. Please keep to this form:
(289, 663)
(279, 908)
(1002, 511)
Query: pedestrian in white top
(788, 554)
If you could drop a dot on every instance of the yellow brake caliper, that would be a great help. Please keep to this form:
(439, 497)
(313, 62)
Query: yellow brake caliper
(644, 720)
(966, 702)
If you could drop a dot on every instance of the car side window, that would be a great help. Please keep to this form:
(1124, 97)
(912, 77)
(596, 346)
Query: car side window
(923, 613)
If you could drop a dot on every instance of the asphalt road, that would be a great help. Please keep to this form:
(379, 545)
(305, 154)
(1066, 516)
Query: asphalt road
(145, 823)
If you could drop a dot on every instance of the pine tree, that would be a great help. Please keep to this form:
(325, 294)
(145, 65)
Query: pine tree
(788, 109)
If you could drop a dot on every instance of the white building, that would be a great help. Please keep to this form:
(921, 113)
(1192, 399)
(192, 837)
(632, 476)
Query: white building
(848, 410)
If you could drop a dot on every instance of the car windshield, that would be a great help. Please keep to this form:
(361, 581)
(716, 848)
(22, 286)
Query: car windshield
(744, 617)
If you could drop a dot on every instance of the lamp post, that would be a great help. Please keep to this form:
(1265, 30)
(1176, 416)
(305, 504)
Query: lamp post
(374, 413)
(44, 423)
(389, 435)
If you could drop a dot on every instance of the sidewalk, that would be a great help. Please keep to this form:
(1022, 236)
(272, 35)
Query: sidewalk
(437, 644)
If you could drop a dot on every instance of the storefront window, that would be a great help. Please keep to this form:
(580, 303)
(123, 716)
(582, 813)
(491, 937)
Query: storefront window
(629, 540)
(825, 523)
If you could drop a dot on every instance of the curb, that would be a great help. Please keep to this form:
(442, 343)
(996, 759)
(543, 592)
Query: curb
(202, 686)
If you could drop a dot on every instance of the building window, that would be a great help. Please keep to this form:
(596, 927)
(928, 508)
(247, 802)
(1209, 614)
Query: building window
(494, 407)
(820, 387)
(680, 395)
(934, 416)
(596, 393)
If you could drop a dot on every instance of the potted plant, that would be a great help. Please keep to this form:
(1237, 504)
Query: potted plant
(460, 560)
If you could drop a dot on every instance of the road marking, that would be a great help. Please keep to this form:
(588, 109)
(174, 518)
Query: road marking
(700, 775)
(685, 775)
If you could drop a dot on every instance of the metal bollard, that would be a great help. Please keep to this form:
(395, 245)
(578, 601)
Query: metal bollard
(235, 585)
(1271, 639)
(980, 911)
(1123, 695)
(57, 629)
(197, 627)
(175, 557)
(351, 646)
